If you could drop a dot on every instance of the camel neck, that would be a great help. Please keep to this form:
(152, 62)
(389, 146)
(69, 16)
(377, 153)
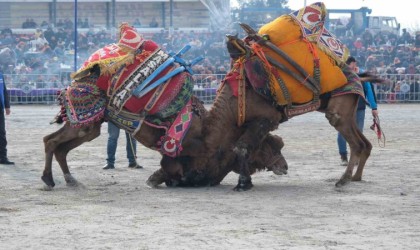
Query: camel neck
(220, 124)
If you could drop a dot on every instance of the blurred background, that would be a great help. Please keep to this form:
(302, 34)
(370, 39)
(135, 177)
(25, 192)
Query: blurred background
(42, 42)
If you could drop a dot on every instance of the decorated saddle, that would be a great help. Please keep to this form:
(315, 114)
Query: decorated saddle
(136, 82)
(303, 37)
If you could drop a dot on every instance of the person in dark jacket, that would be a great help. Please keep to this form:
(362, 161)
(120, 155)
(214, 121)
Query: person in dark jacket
(4, 109)
(360, 113)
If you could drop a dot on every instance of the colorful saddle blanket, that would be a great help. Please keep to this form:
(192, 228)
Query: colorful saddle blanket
(82, 102)
(123, 67)
(303, 37)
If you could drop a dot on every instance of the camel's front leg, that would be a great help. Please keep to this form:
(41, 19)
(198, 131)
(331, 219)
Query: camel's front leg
(256, 131)
(63, 149)
(51, 142)
(60, 143)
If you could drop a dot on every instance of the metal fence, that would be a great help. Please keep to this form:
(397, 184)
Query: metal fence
(43, 89)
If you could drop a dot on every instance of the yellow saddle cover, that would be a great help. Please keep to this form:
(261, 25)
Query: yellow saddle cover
(287, 34)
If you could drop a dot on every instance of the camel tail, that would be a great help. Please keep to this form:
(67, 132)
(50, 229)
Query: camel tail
(372, 78)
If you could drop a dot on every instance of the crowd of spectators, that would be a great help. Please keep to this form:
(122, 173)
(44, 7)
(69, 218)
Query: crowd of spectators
(50, 51)
(393, 56)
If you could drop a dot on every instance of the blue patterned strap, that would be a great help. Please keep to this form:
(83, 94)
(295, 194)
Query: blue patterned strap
(162, 67)
(186, 67)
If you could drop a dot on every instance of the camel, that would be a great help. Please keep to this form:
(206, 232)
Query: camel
(259, 115)
(217, 143)
(179, 171)
(184, 168)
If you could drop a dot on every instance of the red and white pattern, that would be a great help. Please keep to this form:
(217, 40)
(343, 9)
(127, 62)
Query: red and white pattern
(129, 37)
(171, 142)
(311, 21)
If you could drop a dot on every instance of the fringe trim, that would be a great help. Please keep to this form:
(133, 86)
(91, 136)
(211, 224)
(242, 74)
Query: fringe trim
(89, 121)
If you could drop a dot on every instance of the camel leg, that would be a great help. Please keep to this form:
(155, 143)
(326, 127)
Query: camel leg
(64, 148)
(170, 172)
(52, 142)
(363, 158)
(256, 132)
(157, 178)
(340, 113)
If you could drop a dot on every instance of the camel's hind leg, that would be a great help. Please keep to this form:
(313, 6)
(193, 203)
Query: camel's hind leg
(341, 114)
(363, 158)
(55, 140)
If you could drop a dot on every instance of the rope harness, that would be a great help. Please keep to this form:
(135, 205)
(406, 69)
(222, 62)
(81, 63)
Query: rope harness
(376, 127)
(256, 44)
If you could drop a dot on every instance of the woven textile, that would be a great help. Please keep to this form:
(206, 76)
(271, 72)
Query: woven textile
(311, 20)
(123, 67)
(353, 86)
(171, 142)
(83, 102)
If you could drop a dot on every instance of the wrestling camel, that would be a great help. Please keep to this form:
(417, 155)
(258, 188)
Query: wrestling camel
(121, 87)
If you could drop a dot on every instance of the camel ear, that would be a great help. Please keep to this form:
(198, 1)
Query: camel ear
(247, 29)
(229, 36)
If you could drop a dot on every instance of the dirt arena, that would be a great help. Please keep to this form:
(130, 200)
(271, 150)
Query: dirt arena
(114, 209)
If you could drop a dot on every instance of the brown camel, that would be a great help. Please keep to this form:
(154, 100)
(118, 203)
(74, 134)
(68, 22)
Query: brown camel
(180, 171)
(187, 169)
(228, 144)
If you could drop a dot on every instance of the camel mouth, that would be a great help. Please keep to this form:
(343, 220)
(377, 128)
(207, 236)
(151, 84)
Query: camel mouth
(236, 47)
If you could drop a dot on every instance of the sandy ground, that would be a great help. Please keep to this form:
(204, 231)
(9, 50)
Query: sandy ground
(114, 209)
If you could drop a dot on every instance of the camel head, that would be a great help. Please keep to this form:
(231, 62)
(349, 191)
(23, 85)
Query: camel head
(236, 47)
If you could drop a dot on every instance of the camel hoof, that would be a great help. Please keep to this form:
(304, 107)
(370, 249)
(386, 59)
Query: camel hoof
(356, 178)
(242, 187)
(47, 188)
(341, 182)
(244, 184)
(154, 181)
(48, 180)
(72, 184)
(70, 180)
(152, 184)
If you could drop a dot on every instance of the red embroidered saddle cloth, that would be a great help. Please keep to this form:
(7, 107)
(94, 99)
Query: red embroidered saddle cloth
(128, 77)
(127, 64)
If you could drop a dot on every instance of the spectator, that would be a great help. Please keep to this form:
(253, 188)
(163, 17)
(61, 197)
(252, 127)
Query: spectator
(415, 91)
(85, 24)
(358, 44)
(405, 89)
(153, 23)
(367, 38)
(44, 24)
(4, 109)
(137, 23)
(405, 37)
(417, 41)
(113, 134)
